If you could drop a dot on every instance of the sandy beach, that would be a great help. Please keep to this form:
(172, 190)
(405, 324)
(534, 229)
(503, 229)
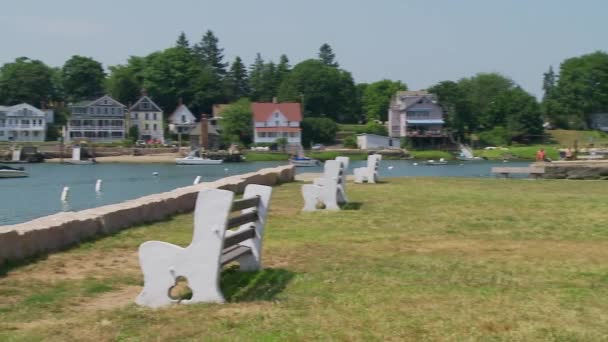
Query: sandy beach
(147, 159)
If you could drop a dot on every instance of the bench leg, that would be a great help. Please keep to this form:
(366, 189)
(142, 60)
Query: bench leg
(157, 260)
(249, 263)
(329, 197)
(311, 196)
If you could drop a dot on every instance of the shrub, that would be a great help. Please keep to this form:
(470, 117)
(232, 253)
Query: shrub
(498, 136)
(350, 141)
(318, 130)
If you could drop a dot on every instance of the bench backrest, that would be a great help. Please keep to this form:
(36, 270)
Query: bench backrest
(345, 161)
(213, 220)
(373, 162)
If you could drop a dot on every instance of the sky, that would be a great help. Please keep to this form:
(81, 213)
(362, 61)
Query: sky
(419, 42)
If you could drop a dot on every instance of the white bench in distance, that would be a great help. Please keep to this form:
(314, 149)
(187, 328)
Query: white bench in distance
(213, 246)
(368, 173)
(327, 190)
(342, 184)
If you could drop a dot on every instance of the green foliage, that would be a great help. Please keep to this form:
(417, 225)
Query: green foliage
(236, 81)
(53, 132)
(325, 91)
(498, 136)
(182, 41)
(350, 141)
(582, 89)
(281, 143)
(26, 80)
(377, 96)
(485, 101)
(373, 127)
(133, 133)
(82, 78)
(210, 54)
(327, 56)
(237, 123)
(318, 130)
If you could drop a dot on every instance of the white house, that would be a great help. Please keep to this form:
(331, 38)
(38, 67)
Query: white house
(101, 120)
(22, 122)
(183, 119)
(277, 120)
(373, 142)
(148, 118)
(416, 114)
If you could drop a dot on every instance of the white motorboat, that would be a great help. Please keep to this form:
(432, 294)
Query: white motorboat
(195, 157)
(12, 172)
(436, 162)
(304, 161)
(192, 160)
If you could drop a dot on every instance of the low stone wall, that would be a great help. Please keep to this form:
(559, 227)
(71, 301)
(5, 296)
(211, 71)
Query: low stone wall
(59, 231)
(576, 170)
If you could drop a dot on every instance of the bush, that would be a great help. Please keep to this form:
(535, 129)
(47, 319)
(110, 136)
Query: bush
(350, 141)
(373, 127)
(318, 130)
(498, 136)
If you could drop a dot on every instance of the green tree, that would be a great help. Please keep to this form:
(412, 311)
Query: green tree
(133, 133)
(125, 81)
(582, 89)
(318, 130)
(210, 54)
(82, 78)
(182, 41)
(457, 107)
(327, 56)
(256, 82)
(377, 97)
(283, 69)
(26, 80)
(237, 123)
(269, 83)
(236, 81)
(325, 91)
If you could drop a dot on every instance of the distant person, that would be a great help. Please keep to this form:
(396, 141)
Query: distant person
(568, 154)
(540, 155)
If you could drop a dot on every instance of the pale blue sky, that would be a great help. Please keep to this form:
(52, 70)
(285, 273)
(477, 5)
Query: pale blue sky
(419, 42)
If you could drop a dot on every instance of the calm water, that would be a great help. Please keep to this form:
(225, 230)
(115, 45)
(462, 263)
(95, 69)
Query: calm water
(23, 199)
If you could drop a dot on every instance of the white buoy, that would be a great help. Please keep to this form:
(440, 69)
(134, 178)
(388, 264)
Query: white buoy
(197, 180)
(98, 186)
(226, 170)
(154, 173)
(415, 164)
(65, 193)
(390, 167)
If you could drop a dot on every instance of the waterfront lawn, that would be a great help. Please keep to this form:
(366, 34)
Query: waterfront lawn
(411, 259)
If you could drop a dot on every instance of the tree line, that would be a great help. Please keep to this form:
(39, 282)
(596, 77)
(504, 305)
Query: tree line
(486, 103)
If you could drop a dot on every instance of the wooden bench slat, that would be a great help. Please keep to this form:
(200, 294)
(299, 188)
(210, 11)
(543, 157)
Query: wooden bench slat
(233, 253)
(245, 203)
(239, 237)
(242, 219)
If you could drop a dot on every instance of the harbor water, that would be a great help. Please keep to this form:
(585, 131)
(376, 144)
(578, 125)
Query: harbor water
(23, 199)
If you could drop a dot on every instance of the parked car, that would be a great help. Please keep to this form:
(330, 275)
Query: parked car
(140, 143)
(318, 147)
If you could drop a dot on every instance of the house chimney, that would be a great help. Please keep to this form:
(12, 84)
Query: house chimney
(144, 92)
(42, 105)
(274, 100)
(204, 142)
(180, 101)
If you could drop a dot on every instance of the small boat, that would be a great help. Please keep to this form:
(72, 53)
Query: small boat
(304, 161)
(12, 172)
(192, 160)
(436, 162)
(77, 159)
(196, 158)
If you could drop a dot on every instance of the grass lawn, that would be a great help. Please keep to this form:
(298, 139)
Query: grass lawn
(411, 259)
(527, 152)
(566, 138)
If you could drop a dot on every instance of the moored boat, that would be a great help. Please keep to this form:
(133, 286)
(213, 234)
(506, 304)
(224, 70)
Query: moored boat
(12, 172)
(304, 161)
(191, 160)
(436, 162)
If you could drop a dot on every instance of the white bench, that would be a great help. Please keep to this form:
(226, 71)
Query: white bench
(213, 246)
(368, 173)
(328, 190)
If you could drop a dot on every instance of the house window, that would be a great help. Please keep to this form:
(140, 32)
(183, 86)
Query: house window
(276, 115)
(183, 118)
(135, 116)
(1, 133)
(25, 122)
(147, 116)
(147, 127)
(154, 116)
(276, 123)
(105, 102)
(112, 110)
(36, 133)
(144, 105)
(155, 127)
(91, 111)
(26, 134)
(262, 134)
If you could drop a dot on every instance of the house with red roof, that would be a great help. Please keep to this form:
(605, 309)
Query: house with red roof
(277, 120)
